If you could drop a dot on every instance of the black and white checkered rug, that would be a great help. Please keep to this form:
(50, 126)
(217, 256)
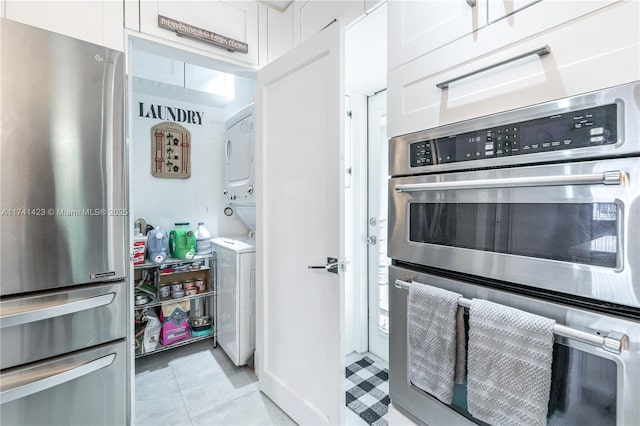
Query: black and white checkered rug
(368, 391)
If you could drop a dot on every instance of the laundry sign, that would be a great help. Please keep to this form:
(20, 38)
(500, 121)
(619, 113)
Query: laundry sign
(167, 113)
(185, 30)
(170, 151)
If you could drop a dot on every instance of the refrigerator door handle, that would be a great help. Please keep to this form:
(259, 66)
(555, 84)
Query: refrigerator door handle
(38, 314)
(41, 384)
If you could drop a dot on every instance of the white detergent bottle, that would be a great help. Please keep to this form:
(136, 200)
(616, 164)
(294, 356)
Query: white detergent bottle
(203, 239)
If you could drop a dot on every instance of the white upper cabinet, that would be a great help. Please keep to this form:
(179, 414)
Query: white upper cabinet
(276, 32)
(419, 27)
(237, 20)
(582, 47)
(96, 21)
(498, 9)
(158, 68)
(311, 16)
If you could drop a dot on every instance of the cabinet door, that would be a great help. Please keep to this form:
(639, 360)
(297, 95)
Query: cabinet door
(603, 58)
(498, 9)
(158, 68)
(419, 27)
(237, 20)
(310, 17)
(98, 22)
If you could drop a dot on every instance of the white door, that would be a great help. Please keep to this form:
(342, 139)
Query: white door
(300, 201)
(378, 177)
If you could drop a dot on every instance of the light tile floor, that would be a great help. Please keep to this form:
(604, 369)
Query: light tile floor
(198, 385)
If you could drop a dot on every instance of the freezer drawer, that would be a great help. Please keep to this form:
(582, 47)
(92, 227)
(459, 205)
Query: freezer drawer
(50, 324)
(83, 388)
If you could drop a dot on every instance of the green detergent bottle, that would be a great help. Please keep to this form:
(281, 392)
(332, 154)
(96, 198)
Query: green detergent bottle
(182, 241)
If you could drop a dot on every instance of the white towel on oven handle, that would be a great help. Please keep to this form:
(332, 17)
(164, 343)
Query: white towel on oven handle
(508, 365)
(431, 333)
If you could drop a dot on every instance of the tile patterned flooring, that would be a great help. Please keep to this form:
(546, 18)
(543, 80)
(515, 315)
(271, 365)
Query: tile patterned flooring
(198, 385)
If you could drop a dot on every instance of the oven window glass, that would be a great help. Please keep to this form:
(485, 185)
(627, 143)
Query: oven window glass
(583, 390)
(578, 233)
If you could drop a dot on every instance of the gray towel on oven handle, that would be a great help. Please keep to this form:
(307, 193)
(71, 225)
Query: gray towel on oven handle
(508, 365)
(461, 350)
(431, 334)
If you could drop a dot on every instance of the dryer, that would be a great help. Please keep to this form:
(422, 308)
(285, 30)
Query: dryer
(236, 298)
(239, 170)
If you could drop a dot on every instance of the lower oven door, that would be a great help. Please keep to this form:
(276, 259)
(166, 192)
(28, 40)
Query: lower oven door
(569, 228)
(589, 385)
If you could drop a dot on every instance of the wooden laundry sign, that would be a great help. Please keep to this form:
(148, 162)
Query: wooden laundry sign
(170, 151)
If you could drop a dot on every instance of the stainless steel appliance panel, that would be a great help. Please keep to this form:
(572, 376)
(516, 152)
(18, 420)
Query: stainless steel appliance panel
(82, 388)
(62, 189)
(535, 251)
(593, 385)
(626, 98)
(50, 324)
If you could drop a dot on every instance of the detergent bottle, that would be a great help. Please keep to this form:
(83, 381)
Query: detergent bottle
(203, 239)
(157, 245)
(182, 241)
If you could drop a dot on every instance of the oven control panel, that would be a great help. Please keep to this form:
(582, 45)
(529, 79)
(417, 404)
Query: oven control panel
(577, 129)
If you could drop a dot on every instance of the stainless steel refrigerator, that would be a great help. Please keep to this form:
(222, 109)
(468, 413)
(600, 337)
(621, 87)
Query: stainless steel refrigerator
(63, 223)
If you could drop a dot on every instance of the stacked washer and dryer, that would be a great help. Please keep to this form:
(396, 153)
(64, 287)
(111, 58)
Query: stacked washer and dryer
(236, 295)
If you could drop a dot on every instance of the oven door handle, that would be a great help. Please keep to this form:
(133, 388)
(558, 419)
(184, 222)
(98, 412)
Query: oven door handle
(616, 177)
(614, 341)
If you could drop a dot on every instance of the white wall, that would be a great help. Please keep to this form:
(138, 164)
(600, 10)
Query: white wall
(161, 202)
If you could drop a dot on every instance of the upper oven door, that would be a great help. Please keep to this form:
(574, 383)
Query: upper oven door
(560, 227)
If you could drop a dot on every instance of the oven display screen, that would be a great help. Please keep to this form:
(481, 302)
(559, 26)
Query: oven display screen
(578, 233)
(576, 129)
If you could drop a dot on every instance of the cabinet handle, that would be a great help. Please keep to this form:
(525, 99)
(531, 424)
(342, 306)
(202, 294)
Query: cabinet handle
(38, 314)
(471, 3)
(60, 375)
(545, 50)
(614, 177)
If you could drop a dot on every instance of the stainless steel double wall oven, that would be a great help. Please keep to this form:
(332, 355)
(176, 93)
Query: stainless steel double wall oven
(539, 209)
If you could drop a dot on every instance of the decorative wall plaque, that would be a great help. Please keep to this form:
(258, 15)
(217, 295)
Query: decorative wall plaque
(186, 30)
(170, 151)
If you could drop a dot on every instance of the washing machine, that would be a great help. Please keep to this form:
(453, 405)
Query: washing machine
(236, 298)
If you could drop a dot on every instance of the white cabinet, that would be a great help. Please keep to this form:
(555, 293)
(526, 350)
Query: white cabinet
(158, 68)
(591, 47)
(236, 20)
(419, 27)
(96, 21)
(311, 16)
(498, 9)
(276, 32)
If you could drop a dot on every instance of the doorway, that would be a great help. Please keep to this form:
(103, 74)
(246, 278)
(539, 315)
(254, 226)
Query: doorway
(377, 200)
(365, 192)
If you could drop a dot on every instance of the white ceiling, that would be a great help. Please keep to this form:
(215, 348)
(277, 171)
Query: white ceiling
(281, 5)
